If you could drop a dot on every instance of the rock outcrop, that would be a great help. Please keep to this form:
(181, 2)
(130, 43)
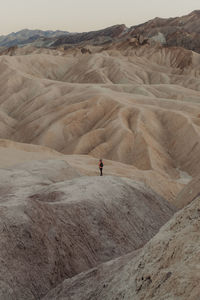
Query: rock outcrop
(173, 32)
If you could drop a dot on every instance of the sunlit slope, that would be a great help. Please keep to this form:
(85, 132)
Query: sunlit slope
(135, 106)
(13, 154)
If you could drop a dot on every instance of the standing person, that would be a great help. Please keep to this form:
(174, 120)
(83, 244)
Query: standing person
(101, 167)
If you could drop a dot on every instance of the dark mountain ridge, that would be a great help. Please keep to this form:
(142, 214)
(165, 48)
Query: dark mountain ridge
(171, 32)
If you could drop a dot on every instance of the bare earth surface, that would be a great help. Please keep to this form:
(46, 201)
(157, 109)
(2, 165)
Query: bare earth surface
(12, 153)
(53, 227)
(166, 268)
(66, 232)
(133, 106)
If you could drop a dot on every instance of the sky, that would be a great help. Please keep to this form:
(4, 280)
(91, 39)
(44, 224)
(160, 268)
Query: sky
(86, 15)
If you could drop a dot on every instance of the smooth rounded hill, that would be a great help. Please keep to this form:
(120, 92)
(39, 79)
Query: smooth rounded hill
(134, 107)
(13, 153)
(53, 228)
(139, 107)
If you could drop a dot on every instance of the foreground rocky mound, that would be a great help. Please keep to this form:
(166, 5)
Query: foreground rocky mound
(53, 227)
(166, 268)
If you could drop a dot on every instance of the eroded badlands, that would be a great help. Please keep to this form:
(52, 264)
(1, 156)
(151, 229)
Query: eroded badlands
(67, 233)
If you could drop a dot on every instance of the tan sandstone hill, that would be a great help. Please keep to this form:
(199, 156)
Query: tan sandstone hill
(132, 106)
(13, 153)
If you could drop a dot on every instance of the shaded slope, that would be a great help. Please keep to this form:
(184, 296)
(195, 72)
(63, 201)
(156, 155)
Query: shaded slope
(190, 192)
(98, 36)
(180, 31)
(52, 229)
(166, 268)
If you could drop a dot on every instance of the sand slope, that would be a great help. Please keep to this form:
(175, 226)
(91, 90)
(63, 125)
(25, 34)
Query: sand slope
(134, 106)
(13, 153)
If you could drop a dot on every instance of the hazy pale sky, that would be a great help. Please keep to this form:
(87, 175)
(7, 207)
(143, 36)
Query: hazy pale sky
(86, 15)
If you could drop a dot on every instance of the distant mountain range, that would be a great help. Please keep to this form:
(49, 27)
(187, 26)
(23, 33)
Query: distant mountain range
(181, 31)
(27, 36)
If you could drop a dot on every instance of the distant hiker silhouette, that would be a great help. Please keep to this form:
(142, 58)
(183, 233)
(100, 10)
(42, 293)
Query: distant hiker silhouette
(101, 167)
